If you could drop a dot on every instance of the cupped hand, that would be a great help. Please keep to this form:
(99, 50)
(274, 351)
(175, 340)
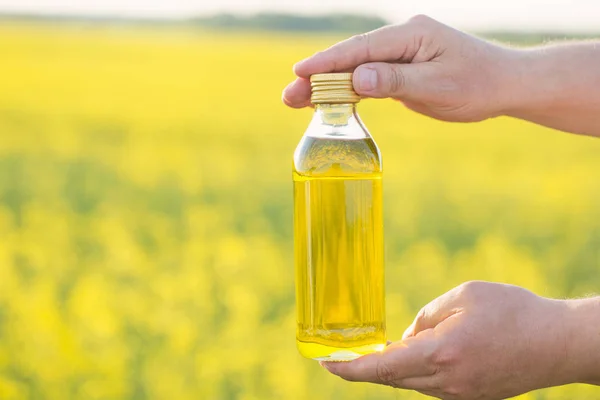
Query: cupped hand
(432, 68)
(478, 341)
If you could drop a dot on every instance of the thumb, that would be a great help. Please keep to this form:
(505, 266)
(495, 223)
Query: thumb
(381, 80)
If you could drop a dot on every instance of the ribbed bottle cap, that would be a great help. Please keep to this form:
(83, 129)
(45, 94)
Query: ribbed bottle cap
(333, 88)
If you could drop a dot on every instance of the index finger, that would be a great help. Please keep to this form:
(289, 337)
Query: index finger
(400, 360)
(389, 43)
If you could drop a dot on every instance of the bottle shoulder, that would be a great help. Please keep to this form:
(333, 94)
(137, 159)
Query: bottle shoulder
(337, 156)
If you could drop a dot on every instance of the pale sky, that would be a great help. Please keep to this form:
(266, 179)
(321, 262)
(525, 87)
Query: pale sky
(556, 15)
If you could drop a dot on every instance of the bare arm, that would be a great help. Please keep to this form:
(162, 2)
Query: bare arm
(449, 75)
(558, 86)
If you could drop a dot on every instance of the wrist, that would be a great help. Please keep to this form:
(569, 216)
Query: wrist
(502, 87)
(550, 344)
(582, 322)
(524, 88)
(567, 342)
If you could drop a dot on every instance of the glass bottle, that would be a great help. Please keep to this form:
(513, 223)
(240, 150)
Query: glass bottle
(338, 229)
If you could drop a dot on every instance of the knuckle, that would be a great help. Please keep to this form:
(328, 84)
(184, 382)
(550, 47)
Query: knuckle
(471, 289)
(396, 84)
(445, 356)
(453, 390)
(320, 53)
(421, 20)
(458, 390)
(363, 41)
(448, 388)
(431, 358)
(361, 37)
(459, 386)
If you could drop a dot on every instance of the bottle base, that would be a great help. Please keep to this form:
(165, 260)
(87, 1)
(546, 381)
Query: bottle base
(322, 352)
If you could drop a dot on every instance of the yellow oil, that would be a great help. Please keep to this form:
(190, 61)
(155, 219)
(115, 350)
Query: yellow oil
(338, 248)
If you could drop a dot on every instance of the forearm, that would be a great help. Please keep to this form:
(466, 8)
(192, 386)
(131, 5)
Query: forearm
(557, 86)
(582, 323)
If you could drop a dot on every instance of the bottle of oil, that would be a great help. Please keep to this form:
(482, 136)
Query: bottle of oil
(338, 229)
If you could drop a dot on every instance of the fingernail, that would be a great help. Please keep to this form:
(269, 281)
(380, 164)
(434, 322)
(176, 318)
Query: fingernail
(366, 79)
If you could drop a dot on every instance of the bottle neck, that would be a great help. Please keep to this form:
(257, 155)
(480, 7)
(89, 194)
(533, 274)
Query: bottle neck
(336, 121)
(335, 114)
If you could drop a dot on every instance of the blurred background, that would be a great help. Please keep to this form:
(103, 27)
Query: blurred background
(145, 194)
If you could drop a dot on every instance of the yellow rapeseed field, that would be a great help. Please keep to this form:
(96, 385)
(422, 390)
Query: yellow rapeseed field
(145, 215)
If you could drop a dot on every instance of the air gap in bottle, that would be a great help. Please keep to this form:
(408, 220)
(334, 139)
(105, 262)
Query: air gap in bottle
(338, 229)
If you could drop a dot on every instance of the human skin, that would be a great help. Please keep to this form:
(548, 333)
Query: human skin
(485, 340)
(449, 75)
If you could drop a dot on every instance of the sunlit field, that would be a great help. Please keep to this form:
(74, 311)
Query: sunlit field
(146, 215)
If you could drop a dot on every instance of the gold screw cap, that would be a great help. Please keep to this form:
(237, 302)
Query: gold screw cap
(333, 88)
